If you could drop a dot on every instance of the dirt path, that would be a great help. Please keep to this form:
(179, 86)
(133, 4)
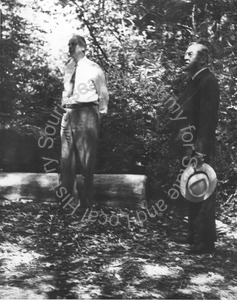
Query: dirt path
(45, 255)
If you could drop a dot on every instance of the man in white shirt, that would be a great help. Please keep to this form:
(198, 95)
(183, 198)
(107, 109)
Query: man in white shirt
(85, 98)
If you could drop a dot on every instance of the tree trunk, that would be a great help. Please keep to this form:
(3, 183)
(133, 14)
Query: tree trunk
(123, 190)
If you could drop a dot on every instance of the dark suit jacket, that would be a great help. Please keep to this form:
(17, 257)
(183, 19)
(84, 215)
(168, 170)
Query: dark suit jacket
(198, 108)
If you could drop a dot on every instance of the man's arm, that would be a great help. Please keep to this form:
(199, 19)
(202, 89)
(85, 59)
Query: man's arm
(101, 89)
(208, 115)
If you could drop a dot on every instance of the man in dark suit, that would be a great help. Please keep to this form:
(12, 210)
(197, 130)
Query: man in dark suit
(196, 124)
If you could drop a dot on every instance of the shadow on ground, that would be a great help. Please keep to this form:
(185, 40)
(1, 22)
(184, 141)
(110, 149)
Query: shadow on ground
(109, 254)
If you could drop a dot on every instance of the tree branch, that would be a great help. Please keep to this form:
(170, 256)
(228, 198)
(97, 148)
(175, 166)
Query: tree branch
(88, 25)
(193, 19)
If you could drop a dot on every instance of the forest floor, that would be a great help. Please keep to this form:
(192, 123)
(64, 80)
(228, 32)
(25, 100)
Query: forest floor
(47, 254)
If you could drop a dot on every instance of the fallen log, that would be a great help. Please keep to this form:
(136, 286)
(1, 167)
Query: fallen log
(117, 190)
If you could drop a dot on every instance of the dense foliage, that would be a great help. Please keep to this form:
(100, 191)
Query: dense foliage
(139, 44)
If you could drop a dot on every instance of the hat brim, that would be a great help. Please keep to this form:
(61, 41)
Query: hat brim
(189, 171)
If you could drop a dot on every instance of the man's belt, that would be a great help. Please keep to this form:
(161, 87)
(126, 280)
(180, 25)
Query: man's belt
(79, 105)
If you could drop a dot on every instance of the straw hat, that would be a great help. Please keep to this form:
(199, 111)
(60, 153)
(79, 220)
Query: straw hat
(197, 184)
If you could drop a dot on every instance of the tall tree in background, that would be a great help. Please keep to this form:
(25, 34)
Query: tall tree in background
(27, 84)
(140, 44)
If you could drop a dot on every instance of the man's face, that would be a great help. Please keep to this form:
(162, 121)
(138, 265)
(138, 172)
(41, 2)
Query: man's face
(192, 58)
(73, 48)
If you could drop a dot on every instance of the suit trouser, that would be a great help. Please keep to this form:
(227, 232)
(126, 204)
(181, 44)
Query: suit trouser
(202, 228)
(201, 219)
(79, 136)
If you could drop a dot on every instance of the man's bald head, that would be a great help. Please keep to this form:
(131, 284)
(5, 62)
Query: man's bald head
(196, 57)
(203, 52)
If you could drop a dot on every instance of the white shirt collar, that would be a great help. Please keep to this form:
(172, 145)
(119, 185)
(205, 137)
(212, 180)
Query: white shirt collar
(195, 75)
(82, 60)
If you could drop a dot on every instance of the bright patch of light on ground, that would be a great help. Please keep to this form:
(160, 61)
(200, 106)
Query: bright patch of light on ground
(19, 293)
(209, 278)
(153, 270)
(114, 267)
(17, 255)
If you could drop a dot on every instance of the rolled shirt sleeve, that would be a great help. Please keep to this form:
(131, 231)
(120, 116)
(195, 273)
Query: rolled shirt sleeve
(101, 89)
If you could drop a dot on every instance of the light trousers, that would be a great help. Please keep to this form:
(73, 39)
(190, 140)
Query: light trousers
(79, 137)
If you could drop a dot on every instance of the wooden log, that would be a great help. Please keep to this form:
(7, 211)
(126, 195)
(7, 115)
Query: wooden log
(117, 190)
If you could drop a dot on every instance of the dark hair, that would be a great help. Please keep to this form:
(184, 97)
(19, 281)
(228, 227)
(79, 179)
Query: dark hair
(80, 41)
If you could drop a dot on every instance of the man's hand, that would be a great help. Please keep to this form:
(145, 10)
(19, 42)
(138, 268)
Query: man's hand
(103, 112)
(199, 159)
(70, 100)
(66, 101)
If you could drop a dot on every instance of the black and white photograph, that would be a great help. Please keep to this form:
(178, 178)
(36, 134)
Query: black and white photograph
(118, 149)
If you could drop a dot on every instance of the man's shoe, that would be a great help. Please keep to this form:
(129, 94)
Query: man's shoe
(185, 240)
(202, 249)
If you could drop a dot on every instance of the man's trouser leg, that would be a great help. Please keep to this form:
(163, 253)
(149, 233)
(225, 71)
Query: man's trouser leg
(68, 159)
(202, 222)
(85, 128)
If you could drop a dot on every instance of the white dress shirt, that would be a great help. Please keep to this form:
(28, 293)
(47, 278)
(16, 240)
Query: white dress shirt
(89, 84)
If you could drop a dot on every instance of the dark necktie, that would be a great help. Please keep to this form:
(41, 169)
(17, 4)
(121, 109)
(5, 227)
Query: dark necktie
(72, 81)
